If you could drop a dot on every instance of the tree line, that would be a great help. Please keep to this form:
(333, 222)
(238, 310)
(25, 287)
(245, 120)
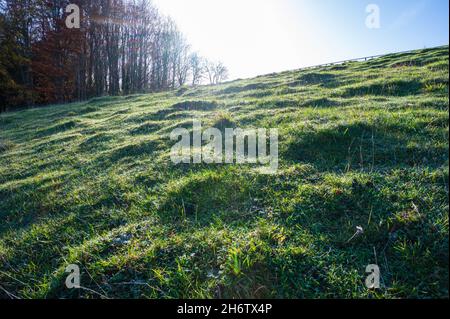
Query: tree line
(121, 47)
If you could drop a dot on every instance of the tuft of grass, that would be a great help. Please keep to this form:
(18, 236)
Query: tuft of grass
(6, 145)
(224, 120)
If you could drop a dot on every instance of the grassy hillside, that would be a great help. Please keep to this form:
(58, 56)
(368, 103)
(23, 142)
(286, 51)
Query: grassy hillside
(361, 144)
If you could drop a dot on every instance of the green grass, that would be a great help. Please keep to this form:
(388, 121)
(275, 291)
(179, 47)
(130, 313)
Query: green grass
(361, 144)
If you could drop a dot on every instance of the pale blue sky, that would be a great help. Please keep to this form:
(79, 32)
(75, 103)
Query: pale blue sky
(254, 37)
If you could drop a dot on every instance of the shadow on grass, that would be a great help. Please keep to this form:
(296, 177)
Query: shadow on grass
(361, 145)
(317, 78)
(146, 128)
(244, 88)
(195, 105)
(389, 88)
(58, 128)
(96, 142)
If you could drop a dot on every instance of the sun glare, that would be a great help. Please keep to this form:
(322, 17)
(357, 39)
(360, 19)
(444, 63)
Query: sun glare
(246, 35)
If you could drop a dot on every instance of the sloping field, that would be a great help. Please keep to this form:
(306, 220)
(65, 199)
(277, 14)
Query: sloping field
(361, 144)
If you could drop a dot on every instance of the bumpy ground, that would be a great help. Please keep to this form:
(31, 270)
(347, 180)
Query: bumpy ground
(361, 144)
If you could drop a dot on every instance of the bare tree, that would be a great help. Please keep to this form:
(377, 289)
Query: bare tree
(217, 72)
(197, 66)
(221, 73)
